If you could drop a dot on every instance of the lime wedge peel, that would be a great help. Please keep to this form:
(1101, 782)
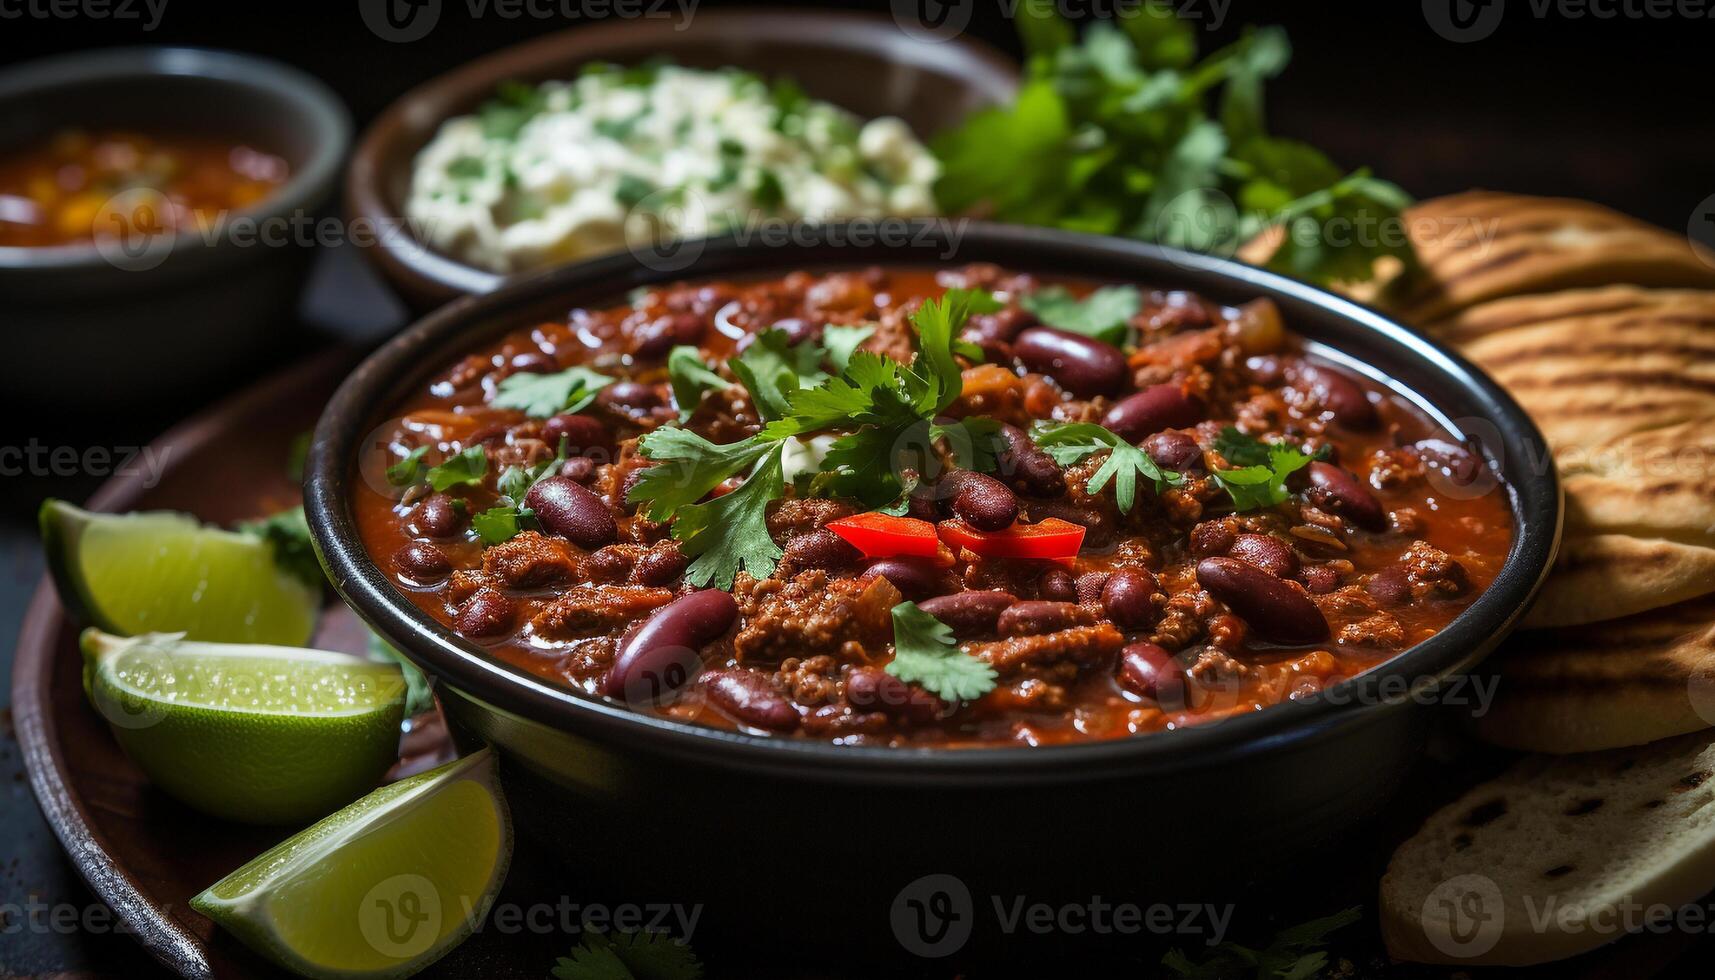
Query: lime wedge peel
(258, 734)
(166, 572)
(382, 888)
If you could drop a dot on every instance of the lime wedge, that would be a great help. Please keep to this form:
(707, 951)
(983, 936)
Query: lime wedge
(257, 734)
(165, 572)
(382, 888)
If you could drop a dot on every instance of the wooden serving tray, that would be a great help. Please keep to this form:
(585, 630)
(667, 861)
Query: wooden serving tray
(146, 855)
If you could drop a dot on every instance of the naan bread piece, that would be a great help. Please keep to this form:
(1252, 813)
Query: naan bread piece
(1607, 576)
(1654, 484)
(1586, 387)
(1593, 309)
(1605, 685)
(1481, 246)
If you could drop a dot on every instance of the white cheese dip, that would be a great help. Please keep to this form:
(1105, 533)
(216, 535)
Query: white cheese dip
(570, 169)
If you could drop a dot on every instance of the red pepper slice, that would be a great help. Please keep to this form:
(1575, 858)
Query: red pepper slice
(886, 536)
(1051, 540)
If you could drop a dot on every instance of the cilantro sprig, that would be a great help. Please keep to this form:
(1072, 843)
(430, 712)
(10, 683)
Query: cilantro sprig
(542, 395)
(1125, 132)
(926, 653)
(1260, 481)
(628, 956)
(1071, 442)
(1294, 953)
(1104, 314)
(464, 468)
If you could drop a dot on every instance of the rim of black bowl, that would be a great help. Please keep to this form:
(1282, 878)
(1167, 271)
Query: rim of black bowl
(319, 107)
(432, 343)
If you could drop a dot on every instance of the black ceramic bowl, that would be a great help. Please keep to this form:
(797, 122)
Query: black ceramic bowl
(717, 814)
(172, 310)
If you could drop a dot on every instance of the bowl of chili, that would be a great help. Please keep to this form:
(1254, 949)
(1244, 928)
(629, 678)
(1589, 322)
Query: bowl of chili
(1089, 707)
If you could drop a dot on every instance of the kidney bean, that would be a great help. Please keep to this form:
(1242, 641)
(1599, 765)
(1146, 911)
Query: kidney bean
(1036, 617)
(1174, 451)
(1000, 326)
(438, 517)
(626, 484)
(581, 433)
(1275, 609)
(1099, 528)
(573, 512)
(1090, 585)
(1057, 585)
(1084, 366)
(822, 549)
(487, 613)
(1341, 397)
(1339, 491)
(969, 614)
(578, 469)
(874, 689)
(1390, 586)
(659, 655)
(1127, 598)
(751, 699)
(661, 565)
(1026, 467)
(982, 501)
(1459, 464)
(1319, 579)
(1158, 407)
(658, 337)
(1270, 554)
(534, 362)
(631, 397)
(422, 562)
(609, 564)
(915, 578)
(1150, 671)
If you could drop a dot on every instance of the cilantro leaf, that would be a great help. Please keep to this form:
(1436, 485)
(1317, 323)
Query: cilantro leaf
(690, 378)
(1261, 482)
(938, 322)
(460, 469)
(407, 470)
(1105, 314)
(730, 533)
(628, 956)
(1292, 954)
(501, 523)
(925, 652)
(1071, 442)
(419, 690)
(771, 368)
(842, 342)
(688, 467)
(288, 537)
(542, 395)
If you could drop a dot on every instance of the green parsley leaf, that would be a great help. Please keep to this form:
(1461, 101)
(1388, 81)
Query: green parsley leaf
(1105, 314)
(771, 368)
(542, 395)
(419, 691)
(632, 190)
(689, 466)
(842, 342)
(500, 524)
(464, 468)
(730, 533)
(1071, 442)
(628, 956)
(409, 469)
(1261, 482)
(938, 323)
(288, 537)
(690, 378)
(925, 653)
(515, 104)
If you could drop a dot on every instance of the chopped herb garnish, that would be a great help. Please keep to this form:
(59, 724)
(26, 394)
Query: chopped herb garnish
(466, 168)
(1293, 954)
(768, 193)
(628, 956)
(1260, 482)
(842, 342)
(688, 467)
(288, 537)
(925, 653)
(689, 378)
(1073, 441)
(542, 395)
(1105, 314)
(460, 469)
(632, 190)
(500, 524)
(407, 470)
(514, 105)
(730, 533)
(771, 368)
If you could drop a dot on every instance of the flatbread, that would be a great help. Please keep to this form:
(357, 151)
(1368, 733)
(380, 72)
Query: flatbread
(1654, 484)
(1605, 685)
(1593, 309)
(1482, 246)
(1607, 576)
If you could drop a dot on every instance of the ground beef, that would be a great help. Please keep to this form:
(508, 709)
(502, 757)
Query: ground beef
(589, 609)
(810, 615)
(800, 515)
(1081, 645)
(1379, 630)
(1433, 572)
(530, 561)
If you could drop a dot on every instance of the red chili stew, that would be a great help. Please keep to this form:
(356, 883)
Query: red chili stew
(961, 507)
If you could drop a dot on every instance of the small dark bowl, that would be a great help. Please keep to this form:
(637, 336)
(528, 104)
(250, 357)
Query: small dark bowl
(861, 62)
(681, 806)
(182, 308)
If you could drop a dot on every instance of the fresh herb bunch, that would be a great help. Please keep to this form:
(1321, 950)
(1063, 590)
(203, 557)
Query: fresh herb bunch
(628, 956)
(1113, 133)
(1294, 953)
